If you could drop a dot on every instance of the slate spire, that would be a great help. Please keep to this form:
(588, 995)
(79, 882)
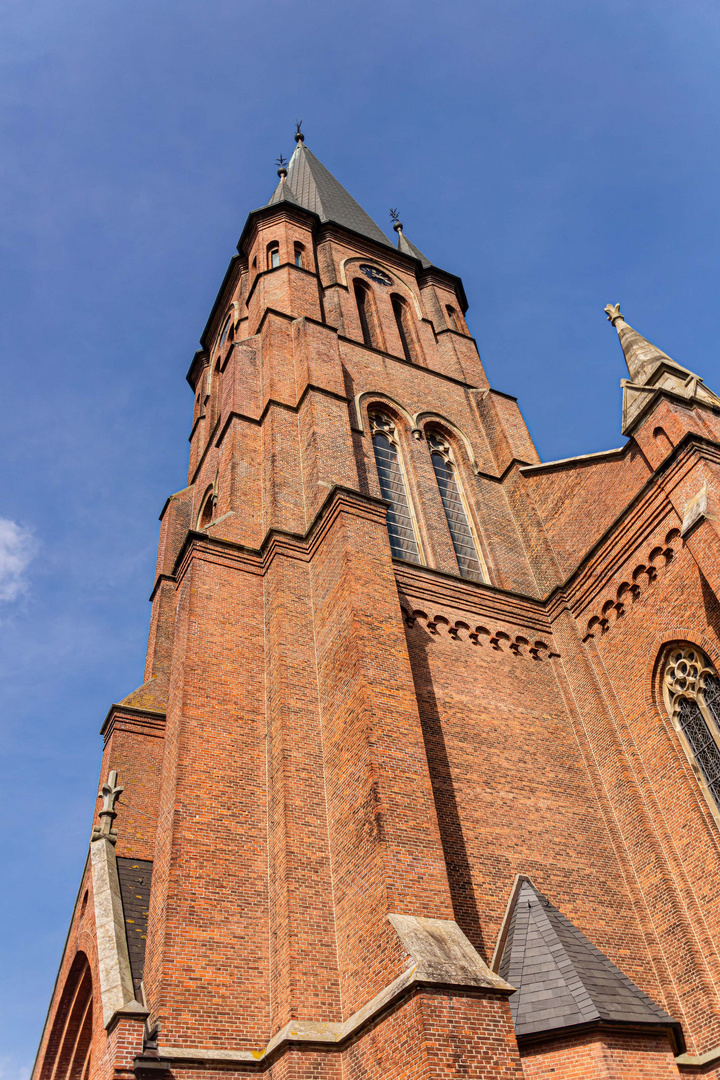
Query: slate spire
(641, 356)
(312, 186)
(562, 980)
(651, 372)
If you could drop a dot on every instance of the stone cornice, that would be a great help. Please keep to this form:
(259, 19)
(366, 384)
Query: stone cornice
(277, 541)
(440, 957)
(130, 718)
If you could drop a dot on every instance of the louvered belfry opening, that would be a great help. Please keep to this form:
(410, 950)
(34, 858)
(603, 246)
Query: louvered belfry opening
(68, 1052)
(400, 525)
(460, 532)
(402, 320)
(365, 314)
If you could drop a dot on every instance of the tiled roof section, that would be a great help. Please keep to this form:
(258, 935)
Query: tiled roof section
(282, 193)
(135, 876)
(316, 189)
(409, 248)
(561, 978)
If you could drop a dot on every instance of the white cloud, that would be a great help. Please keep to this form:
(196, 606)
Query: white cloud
(17, 548)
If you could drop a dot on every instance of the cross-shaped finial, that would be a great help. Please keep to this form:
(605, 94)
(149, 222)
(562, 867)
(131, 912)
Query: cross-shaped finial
(110, 792)
(281, 162)
(613, 313)
(397, 223)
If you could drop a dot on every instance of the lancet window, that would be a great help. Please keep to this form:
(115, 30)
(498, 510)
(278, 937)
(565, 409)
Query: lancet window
(401, 526)
(366, 314)
(455, 507)
(207, 511)
(227, 331)
(692, 695)
(403, 324)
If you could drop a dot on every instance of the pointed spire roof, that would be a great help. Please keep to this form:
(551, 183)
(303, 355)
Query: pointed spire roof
(409, 248)
(562, 980)
(313, 187)
(641, 356)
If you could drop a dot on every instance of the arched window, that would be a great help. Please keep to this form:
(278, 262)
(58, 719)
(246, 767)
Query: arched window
(400, 522)
(227, 331)
(692, 696)
(402, 319)
(299, 254)
(453, 318)
(366, 314)
(273, 253)
(67, 1056)
(207, 511)
(456, 511)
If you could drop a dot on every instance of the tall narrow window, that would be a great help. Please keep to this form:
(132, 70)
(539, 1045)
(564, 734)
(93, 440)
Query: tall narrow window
(226, 331)
(456, 512)
(403, 324)
(364, 302)
(453, 318)
(208, 510)
(299, 254)
(692, 696)
(273, 256)
(400, 523)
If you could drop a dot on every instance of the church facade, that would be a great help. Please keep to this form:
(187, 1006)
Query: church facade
(423, 779)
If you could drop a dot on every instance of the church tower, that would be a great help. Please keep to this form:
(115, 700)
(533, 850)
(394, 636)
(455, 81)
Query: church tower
(423, 778)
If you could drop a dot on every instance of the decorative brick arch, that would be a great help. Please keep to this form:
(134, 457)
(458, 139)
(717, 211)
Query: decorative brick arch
(67, 1055)
(382, 399)
(422, 419)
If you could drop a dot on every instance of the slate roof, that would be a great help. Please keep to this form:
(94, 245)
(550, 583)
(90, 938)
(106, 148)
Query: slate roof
(135, 876)
(562, 980)
(312, 186)
(409, 248)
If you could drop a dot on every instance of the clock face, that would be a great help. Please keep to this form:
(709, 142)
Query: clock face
(376, 275)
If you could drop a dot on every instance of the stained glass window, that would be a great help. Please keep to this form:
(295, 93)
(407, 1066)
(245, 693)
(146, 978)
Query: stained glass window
(692, 690)
(400, 525)
(455, 512)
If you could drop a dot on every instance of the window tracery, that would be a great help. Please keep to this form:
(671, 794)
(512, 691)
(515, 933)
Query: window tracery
(456, 510)
(691, 689)
(401, 528)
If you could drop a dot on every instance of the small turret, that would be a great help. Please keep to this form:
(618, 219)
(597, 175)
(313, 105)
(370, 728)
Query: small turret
(652, 371)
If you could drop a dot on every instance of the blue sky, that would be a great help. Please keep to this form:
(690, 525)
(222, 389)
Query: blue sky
(557, 156)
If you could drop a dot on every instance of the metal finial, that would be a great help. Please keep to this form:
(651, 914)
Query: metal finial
(299, 137)
(613, 313)
(282, 170)
(397, 223)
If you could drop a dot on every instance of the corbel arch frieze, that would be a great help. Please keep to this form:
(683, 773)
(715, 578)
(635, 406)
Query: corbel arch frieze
(397, 282)
(421, 419)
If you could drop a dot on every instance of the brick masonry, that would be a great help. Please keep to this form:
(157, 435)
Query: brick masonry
(327, 735)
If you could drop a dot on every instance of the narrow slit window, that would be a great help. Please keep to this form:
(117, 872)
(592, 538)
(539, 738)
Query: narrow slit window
(692, 693)
(362, 298)
(455, 511)
(403, 324)
(400, 524)
(299, 254)
(453, 318)
(273, 257)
